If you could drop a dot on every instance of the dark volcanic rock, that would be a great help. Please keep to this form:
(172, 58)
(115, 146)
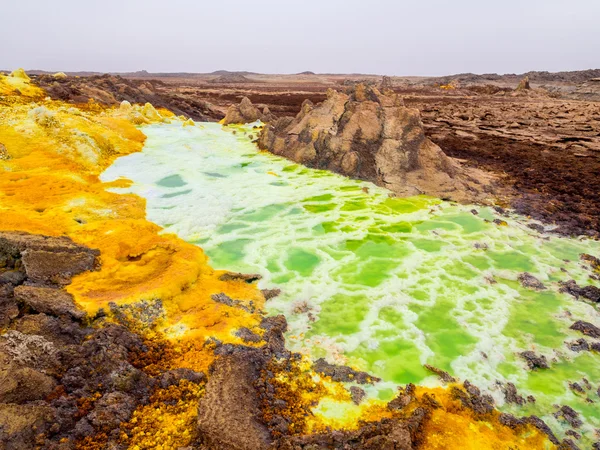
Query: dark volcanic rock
(586, 328)
(270, 293)
(8, 306)
(569, 415)
(248, 335)
(13, 277)
(590, 292)
(173, 377)
(23, 384)
(471, 398)
(387, 434)
(529, 281)
(591, 260)
(111, 410)
(226, 300)
(534, 361)
(357, 394)
(541, 425)
(512, 396)
(59, 379)
(579, 345)
(444, 376)
(343, 373)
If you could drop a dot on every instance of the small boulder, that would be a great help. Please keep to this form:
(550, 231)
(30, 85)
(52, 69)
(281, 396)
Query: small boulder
(534, 361)
(529, 281)
(357, 394)
(590, 292)
(343, 373)
(523, 85)
(270, 293)
(586, 328)
(245, 112)
(247, 335)
(51, 261)
(569, 415)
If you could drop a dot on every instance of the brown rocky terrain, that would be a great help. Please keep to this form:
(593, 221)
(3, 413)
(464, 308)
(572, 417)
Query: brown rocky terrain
(547, 149)
(542, 142)
(113, 89)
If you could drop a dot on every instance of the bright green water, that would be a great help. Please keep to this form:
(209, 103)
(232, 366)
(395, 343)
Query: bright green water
(381, 283)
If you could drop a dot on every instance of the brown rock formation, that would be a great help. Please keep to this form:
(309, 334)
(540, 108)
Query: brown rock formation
(370, 135)
(523, 85)
(246, 112)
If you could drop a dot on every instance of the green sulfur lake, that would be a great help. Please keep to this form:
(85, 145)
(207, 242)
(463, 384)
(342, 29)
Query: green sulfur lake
(383, 284)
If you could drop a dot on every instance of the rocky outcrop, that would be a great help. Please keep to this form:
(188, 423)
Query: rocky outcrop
(343, 373)
(589, 292)
(246, 112)
(523, 85)
(586, 328)
(372, 136)
(231, 406)
(534, 361)
(529, 281)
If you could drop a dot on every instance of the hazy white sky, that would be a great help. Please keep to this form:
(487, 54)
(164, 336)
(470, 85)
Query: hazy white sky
(416, 37)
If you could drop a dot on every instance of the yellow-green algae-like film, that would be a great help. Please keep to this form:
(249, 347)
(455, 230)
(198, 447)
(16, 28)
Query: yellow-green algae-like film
(383, 284)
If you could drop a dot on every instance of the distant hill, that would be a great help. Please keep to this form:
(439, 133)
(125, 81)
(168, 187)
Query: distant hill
(231, 78)
(575, 77)
(227, 72)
